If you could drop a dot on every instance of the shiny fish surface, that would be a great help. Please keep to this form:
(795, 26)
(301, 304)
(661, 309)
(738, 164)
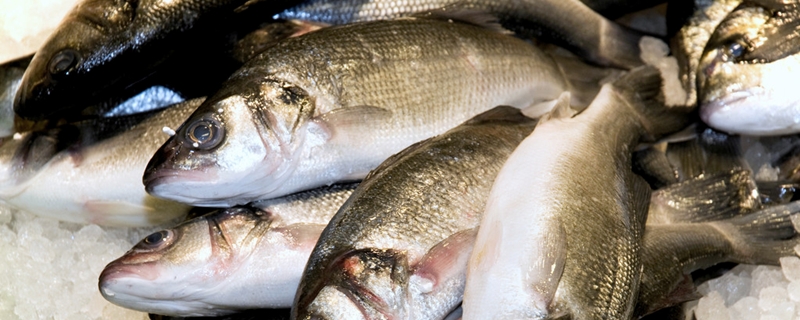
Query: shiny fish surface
(562, 232)
(744, 73)
(227, 261)
(398, 248)
(90, 172)
(290, 120)
(10, 77)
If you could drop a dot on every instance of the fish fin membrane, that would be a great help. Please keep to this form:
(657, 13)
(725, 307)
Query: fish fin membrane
(765, 236)
(499, 114)
(583, 81)
(461, 12)
(689, 159)
(706, 198)
(652, 165)
(559, 108)
(641, 88)
(444, 262)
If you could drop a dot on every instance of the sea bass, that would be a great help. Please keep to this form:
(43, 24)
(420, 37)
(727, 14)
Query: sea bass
(226, 261)
(89, 172)
(307, 112)
(398, 248)
(563, 226)
(104, 47)
(742, 74)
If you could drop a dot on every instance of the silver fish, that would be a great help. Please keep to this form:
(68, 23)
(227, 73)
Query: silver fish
(742, 76)
(307, 112)
(226, 261)
(89, 172)
(563, 225)
(398, 248)
(10, 77)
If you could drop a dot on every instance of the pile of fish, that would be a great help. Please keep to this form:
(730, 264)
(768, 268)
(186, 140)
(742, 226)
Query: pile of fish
(433, 159)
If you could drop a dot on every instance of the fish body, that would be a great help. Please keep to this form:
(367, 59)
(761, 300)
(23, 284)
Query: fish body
(10, 77)
(742, 82)
(307, 112)
(398, 248)
(226, 261)
(89, 172)
(562, 230)
(105, 47)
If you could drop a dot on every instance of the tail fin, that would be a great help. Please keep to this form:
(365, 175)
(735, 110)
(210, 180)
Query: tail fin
(763, 237)
(641, 88)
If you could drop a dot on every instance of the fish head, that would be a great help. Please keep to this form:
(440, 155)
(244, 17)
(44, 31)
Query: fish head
(183, 271)
(73, 64)
(746, 72)
(360, 284)
(237, 147)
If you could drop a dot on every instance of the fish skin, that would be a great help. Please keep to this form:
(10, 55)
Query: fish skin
(398, 247)
(89, 172)
(337, 113)
(601, 41)
(672, 251)
(105, 48)
(10, 78)
(741, 77)
(252, 258)
(690, 40)
(561, 234)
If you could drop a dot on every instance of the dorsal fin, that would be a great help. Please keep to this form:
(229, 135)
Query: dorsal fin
(499, 114)
(560, 108)
(461, 12)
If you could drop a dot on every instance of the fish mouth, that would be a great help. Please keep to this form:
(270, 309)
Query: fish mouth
(717, 106)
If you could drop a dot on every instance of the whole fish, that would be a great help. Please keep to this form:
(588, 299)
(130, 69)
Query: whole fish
(694, 31)
(398, 248)
(742, 74)
(307, 113)
(89, 172)
(225, 261)
(10, 77)
(105, 47)
(563, 226)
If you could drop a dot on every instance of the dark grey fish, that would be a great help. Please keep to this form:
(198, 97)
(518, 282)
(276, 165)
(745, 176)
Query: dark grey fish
(398, 248)
(10, 77)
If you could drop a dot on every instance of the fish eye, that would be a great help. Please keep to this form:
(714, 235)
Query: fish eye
(156, 240)
(205, 133)
(63, 62)
(735, 50)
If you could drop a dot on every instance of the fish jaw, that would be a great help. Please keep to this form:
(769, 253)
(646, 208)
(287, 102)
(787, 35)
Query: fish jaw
(247, 163)
(753, 99)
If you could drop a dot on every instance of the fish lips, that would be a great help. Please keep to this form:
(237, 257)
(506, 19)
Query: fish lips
(175, 170)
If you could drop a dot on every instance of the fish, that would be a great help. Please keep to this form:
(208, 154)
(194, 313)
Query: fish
(10, 77)
(694, 23)
(90, 171)
(742, 87)
(398, 248)
(105, 47)
(671, 251)
(229, 260)
(562, 231)
(307, 113)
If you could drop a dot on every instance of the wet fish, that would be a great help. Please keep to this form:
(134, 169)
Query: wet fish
(86, 56)
(10, 77)
(225, 261)
(694, 31)
(89, 172)
(671, 252)
(107, 48)
(563, 226)
(307, 113)
(742, 74)
(398, 248)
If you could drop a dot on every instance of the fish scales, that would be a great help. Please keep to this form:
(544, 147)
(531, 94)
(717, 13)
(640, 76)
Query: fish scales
(412, 203)
(374, 88)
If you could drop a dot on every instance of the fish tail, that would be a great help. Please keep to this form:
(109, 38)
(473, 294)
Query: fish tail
(641, 88)
(763, 237)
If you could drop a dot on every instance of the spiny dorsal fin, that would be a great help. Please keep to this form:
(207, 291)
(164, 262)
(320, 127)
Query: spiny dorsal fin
(560, 108)
(499, 114)
(461, 12)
